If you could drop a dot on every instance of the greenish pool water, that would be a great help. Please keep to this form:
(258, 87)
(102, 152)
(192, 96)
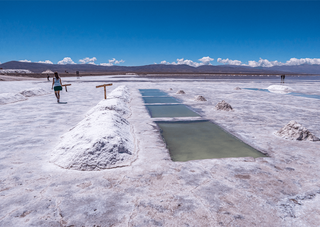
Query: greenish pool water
(175, 110)
(152, 92)
(194, 140)
(159, 100)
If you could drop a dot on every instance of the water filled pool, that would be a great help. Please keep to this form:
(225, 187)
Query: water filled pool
(152, 92)
(193, 140)
(175, 110)
(159, 100)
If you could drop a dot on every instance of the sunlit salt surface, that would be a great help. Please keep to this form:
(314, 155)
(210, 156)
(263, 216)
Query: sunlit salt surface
(152, 92)
(289, 93)
(176, 110)
(159, 100)
(193, 140)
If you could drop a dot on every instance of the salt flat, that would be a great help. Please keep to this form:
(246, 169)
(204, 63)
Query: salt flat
(280, 190)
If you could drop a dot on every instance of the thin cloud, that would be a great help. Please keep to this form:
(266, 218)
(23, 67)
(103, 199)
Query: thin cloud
(228, 61)
(65, 61)
(267, 63)
(112, 62)
(182, 61)
(291, 62)
(46, 62)
(88, 60)
(25, 60)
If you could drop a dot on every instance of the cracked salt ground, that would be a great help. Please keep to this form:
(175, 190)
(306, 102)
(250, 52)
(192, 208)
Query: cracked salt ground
(153, 190)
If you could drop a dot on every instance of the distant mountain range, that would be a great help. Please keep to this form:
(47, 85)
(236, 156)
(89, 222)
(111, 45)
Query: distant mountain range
(160, 68)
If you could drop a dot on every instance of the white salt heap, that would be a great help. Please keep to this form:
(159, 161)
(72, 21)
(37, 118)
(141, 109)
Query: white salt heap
(6, 98)
(180, 92)
(15, 71)
(223, 106)
(295, 131)
(34, 92)
(100, 141)
(237, 88)
(280, 89)
(200, 98)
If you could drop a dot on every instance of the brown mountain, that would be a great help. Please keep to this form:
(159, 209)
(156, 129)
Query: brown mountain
(159, 68)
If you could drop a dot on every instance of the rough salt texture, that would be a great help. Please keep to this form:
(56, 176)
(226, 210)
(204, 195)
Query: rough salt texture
(100, 141)
(200, 98)
(223, 106)
(295, 131)
(282, 189)
(6, 98)
(34, 92)
(237, 88)
(180, 92)
(117, 100)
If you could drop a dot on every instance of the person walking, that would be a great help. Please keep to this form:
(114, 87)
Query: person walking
(57, 85)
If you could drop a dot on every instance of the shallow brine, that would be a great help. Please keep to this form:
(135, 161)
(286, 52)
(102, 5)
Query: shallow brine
(194, 140)
(159, 100)
(175, 110)
(152, 92)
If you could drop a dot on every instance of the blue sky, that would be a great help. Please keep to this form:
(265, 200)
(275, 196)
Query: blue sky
(147, 32)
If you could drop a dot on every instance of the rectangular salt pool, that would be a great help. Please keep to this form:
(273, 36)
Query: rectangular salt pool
(159, 100)
(193, 140)
(152, 92)
(176, 110)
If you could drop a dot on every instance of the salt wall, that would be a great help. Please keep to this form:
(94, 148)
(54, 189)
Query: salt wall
(102, 140)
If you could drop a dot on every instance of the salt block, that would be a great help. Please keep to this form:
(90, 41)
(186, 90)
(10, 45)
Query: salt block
(295, 131)
(224, 106)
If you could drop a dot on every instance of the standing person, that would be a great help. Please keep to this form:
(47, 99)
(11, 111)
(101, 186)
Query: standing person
(57, 85)
(48, 77)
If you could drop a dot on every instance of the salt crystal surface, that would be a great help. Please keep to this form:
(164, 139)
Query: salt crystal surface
(180, 92)
(223, 106)
(200, 98)
(34, 92)
(100, 141)
(280, 89)
(6, 98)
(294, 131)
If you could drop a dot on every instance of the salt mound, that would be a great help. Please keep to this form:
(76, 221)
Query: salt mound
(116, 101)
(280, 89)
(295, 131)
(200, 98)
(6, 98)
(110, 104)
(121, 92)
(237, 88)
(223, 106)
(100, 141)
(34, 92)
(180, 92)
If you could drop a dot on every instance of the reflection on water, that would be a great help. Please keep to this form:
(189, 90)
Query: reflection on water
(152, 92)
(193, 140)
(170, 111)
(159, 100)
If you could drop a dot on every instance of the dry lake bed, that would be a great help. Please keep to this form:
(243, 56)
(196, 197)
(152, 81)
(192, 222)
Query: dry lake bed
(279, 188)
